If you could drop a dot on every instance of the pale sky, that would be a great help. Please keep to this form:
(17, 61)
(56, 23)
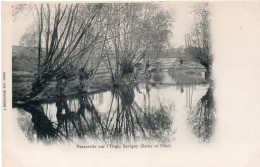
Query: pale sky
(20, 24)
(183, 20)
(182, 25)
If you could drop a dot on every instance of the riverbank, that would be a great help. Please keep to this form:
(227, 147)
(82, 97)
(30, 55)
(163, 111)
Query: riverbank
(170, 71)
(22, 83)
(153, 111)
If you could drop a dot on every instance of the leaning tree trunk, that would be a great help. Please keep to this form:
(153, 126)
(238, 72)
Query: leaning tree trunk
(39, 84)
(37, 87)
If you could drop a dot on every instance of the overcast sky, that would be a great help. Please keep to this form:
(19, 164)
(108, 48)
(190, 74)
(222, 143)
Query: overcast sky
(183, 20)
(182, 25)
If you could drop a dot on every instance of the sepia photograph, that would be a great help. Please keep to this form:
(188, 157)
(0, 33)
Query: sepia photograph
(142, 83)
(87, 72)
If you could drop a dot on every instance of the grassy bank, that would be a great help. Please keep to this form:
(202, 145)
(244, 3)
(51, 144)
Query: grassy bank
(24, 67)
(22, 83)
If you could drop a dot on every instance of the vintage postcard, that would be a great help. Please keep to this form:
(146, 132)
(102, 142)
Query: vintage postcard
(130, 83)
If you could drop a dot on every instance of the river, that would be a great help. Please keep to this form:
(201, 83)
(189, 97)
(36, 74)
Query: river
(160, 110)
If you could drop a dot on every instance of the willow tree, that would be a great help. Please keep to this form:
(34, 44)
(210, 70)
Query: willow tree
(199, 39)
(65, 33)
(158, 28)
(133, 29)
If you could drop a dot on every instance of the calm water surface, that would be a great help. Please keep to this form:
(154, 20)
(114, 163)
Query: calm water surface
(151, 112)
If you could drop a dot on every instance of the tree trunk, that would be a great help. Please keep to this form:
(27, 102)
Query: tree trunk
(208, 75)
(147, 66)
(37, 87)
(39, 84)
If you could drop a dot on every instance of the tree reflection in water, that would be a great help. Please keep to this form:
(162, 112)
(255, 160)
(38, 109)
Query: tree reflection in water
(42, 126)
(201, 118)
(125, 121)
(134, 122)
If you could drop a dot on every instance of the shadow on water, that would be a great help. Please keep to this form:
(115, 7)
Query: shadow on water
(201, 118)
(134, 122)
(42, 126)
(131, 113)
(124, 121)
